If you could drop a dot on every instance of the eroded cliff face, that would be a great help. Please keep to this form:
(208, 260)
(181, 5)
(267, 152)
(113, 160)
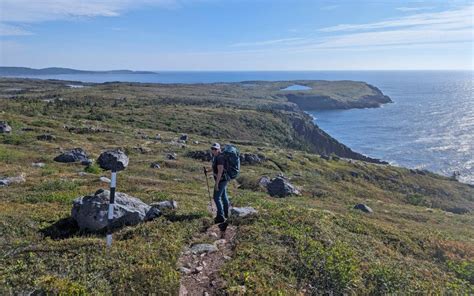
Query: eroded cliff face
(317, 141)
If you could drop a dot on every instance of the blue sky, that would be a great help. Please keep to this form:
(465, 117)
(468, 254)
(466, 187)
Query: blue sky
(237, 34)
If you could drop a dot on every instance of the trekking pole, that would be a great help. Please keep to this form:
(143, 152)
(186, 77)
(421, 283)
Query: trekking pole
(208, 190)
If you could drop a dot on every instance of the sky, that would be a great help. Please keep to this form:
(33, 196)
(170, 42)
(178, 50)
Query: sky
(265, 35)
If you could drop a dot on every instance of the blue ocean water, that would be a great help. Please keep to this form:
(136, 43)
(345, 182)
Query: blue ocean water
(429, 126)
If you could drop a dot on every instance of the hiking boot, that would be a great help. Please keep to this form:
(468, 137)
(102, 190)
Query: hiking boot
(219, 219)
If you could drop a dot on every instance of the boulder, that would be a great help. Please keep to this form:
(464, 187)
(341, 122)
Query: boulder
(158, 137)
(171, 156)
(281, 187)
(243, 212)
(113, 160)
(251, 159)
(204, 155)
(203, 248)
(184, 137)
(155, 165)
(167, 204)
(74, 155)
(5, 128)
(87, 162)
(90, 212)
(46, 137)
(364, 208)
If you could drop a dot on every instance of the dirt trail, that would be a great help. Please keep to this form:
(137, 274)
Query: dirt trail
(200, 270)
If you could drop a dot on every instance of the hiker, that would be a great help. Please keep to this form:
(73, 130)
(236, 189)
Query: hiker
(220, 189)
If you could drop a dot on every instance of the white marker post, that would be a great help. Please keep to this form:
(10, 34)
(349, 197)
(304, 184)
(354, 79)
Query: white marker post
(114, 161)
(110, 214)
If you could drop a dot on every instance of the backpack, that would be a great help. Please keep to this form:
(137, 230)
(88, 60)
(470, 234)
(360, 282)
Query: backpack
(232, 161)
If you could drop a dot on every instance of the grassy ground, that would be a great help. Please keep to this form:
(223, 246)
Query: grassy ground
(311, 244)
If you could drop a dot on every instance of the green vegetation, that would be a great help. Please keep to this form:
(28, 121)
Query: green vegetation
(309, 244)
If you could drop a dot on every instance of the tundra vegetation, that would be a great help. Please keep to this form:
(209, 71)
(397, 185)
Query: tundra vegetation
(418, 240)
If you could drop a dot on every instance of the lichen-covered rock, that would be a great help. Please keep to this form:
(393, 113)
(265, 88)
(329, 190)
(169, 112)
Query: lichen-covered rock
(90, 212)
(281, 187)
(74, 155)
(363, 208)
(113, 160)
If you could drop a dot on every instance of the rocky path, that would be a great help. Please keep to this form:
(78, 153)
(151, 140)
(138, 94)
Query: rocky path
(201, 262)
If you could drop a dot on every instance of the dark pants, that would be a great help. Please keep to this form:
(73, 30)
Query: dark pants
(222, 200)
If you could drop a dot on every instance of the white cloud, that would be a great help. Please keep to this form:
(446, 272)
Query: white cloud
(453, 26)
(409, 9)
(266, 42)
(8, 30)
(329, 7)
(461, 16)
(28, 11)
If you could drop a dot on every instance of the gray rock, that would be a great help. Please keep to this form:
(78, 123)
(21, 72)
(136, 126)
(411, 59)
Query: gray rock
(171, 156)
(152, 213)
(243, 212)
(205, 155)
(12, 180)
(185, 270)
(90, 212)
(74, 155)
(364, 208)
(142, 150)
(155, 165)
(46, 137)
(264, 181)
(195, 142)
(184, 137)
(203, 248)
(251, 159)
(38, 164)
(281, 187)
(167, 204)
(113, 160)
(158, 137)
(5, 128)
(87, 162)
(105, 180)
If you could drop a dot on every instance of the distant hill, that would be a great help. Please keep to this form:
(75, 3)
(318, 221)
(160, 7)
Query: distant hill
(13, 71)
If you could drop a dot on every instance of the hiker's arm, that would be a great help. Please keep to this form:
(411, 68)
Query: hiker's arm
(220, 171)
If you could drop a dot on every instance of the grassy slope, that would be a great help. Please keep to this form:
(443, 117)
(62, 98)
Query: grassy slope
(313, 243)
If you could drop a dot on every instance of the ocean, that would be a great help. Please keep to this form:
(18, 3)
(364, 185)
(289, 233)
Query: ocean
(429, 126)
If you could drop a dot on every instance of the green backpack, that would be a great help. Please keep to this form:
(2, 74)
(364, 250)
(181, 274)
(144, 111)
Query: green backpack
(232, 161)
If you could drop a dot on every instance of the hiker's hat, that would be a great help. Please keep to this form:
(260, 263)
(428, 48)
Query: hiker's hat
(216, 146)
